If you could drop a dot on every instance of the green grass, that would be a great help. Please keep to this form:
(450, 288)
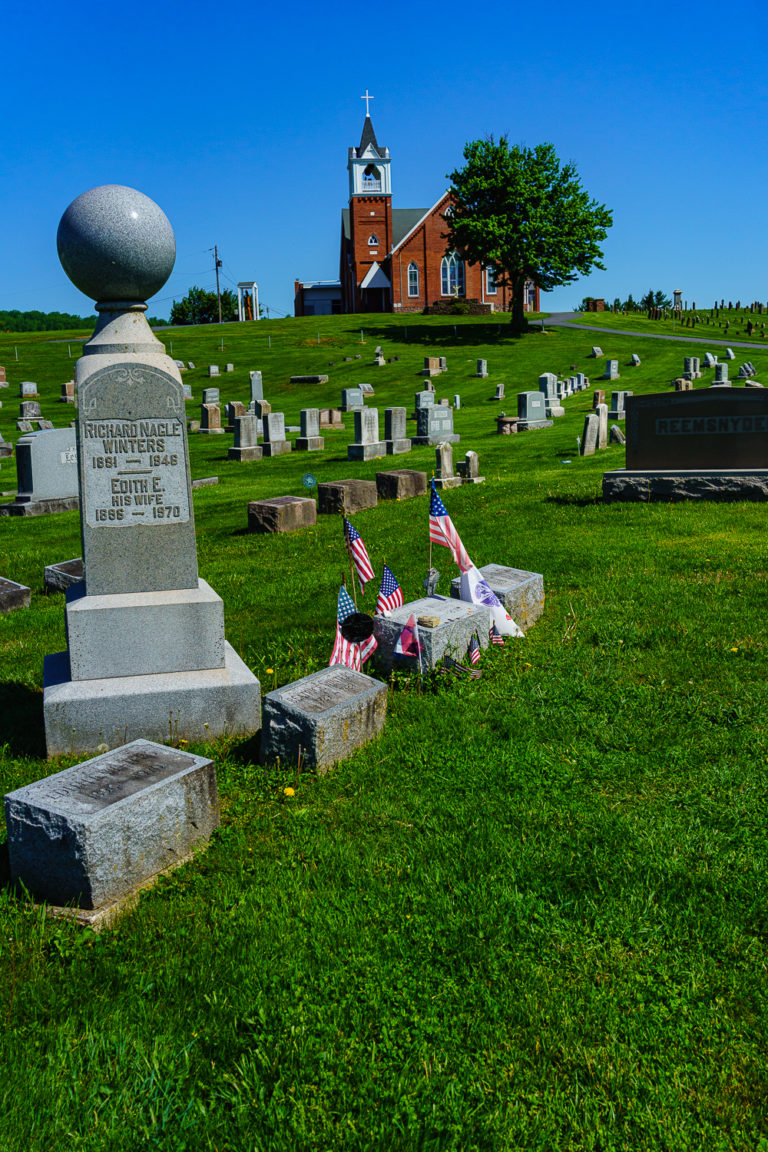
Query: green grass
(710, 327)
(532, 915)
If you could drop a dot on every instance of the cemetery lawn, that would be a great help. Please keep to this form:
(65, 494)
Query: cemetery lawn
(533, 915)
(709, 327)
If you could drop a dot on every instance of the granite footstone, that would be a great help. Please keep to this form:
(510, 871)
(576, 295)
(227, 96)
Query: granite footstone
(401, 484)
(520, 592)
(323, 718)
(13, 595)
(346, 496)
(454, 623)
(59, 577)
(281, 514)
(92, 833)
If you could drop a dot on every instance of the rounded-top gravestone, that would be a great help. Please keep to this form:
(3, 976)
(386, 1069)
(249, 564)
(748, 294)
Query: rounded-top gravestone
(115, 243)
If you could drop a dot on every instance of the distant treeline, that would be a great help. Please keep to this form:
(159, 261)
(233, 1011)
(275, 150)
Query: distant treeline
(15, 321)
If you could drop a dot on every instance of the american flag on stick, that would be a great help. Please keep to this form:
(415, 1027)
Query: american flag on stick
(346, 651)
(495, 636)
(390, 593)
(442, 531)
(474, 649)
(358, 552)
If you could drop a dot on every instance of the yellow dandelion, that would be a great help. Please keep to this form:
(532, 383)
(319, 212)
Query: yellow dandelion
(289, 791)
(734, 649)
(526, 665)
(270, 671)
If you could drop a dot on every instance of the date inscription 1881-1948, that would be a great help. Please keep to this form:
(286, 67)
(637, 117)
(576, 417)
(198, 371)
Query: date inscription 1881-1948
(135, 472)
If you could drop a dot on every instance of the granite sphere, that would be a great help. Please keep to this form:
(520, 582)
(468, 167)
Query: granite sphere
(115, 243)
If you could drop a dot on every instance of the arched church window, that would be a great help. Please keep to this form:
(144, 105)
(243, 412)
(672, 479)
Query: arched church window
(413, 279)
(452, 275)
(373, 240)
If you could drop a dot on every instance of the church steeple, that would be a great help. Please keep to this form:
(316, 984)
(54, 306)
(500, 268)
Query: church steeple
(368, 164)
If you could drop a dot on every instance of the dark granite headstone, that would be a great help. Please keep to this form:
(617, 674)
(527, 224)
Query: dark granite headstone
(701, 429)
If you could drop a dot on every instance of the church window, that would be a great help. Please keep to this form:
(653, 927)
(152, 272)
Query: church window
(413, 279)
(373, 240)
(490, 281)
(452, 275)
(371, 179)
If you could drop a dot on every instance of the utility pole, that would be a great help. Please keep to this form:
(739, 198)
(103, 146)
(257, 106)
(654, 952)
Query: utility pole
(218, 265)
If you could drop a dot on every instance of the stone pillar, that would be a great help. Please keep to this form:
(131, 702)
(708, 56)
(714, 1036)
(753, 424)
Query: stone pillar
(602, 425)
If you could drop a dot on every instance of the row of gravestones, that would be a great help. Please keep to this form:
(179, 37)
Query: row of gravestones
(539, 409)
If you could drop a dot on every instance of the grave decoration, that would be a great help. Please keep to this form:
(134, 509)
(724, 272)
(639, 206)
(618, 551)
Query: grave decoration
(145, 635)
(520, 592)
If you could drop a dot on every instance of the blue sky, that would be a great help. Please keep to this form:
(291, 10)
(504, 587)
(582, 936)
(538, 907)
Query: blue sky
(236, 119)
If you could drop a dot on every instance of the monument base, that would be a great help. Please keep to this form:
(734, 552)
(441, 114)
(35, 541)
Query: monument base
(435, 439)
(367, 451)
(309, 443)
(80, 715)
(212, 431)
(448, 481)
(245, 455)
(276, 447)
(722, 484)
(40, 507)
(397, 447)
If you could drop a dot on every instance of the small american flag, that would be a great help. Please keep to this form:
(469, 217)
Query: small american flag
(358, 553)
(344, 652)
(390, 593)
(474, 649)
(495, 636)
(442, 531)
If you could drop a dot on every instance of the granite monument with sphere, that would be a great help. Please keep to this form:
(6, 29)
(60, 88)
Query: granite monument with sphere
(147, 655)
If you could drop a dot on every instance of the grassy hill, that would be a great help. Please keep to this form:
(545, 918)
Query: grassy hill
(532, 915)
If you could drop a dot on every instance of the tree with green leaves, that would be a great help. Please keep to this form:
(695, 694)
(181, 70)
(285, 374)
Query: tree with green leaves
(202, 307)
(521, 211)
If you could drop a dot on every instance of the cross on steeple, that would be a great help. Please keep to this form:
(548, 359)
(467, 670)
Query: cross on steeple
(367, 98)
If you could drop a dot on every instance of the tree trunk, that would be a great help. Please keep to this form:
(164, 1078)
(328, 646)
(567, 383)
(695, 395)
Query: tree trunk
(518, 321)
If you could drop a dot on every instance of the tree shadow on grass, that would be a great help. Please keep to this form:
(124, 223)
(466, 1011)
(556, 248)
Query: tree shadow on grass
(22, 710)
(442, 335)
(575, 501)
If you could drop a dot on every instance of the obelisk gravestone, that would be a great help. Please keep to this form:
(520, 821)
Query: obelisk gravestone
(146, 653)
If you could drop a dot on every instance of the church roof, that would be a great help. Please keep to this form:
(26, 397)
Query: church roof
(404, 220)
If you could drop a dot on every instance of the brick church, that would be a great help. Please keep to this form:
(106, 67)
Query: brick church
(394, 259)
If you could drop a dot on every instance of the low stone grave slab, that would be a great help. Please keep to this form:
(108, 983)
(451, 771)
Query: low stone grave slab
(521, 592)
(401, 484)
(13, 595)
(309, 379)
(91, 834)
(444, 627)
(281, 514)
(59, 577)
(205, 482)
(346, 496)
(322, 718)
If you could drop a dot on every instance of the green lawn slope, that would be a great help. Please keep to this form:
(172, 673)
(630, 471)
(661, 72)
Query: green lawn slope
(533, 914)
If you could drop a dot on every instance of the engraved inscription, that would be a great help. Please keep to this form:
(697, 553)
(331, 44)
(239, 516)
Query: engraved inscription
(335, 688)
(706, 425)
(135, 472)
(95, 785)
